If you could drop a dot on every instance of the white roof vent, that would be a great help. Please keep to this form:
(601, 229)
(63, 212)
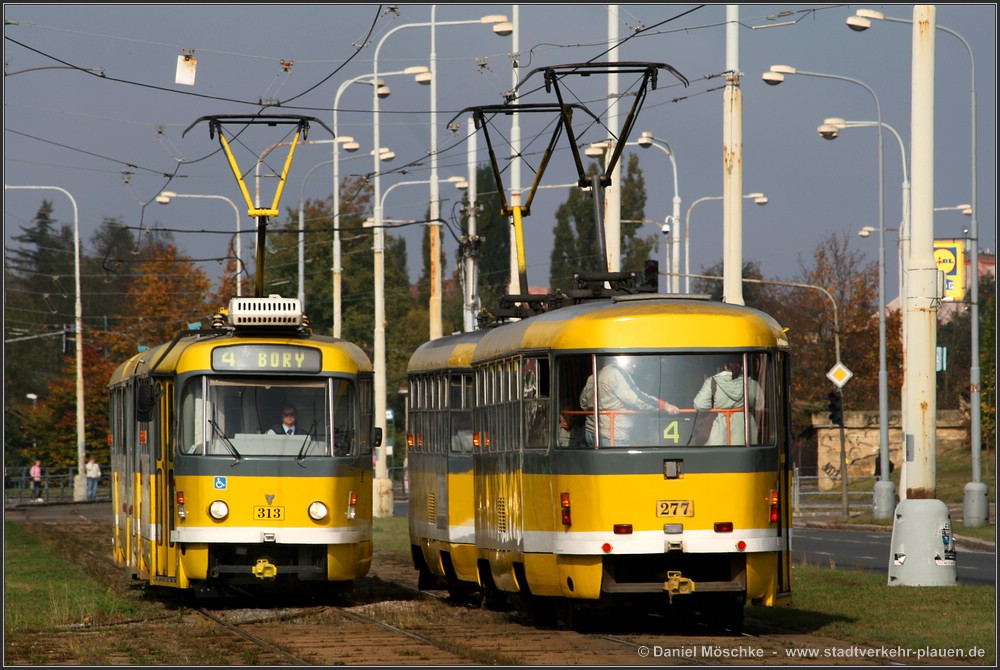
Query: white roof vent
(265, 312)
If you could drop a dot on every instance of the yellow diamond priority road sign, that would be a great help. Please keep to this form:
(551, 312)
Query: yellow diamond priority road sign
(839, 374)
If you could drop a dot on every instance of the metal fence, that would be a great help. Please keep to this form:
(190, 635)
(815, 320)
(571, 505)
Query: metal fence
(57, 486)
(824, 493)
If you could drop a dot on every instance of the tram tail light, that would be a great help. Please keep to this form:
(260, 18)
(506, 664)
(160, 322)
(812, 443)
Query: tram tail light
(723, 526)
(623, 529)
(475, 440)
(409, 440)
(773, 513)
(567, 518)
(352, 505)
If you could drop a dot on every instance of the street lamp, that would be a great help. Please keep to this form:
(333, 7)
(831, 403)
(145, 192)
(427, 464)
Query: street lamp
(80, 483)
(645, 141)
(884, 491)
(382, 91)
(382, 493)
(830, 130)
(165, 197)
(758, 198)
(976, 506)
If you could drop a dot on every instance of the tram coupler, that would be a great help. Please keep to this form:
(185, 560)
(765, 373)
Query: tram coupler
(677, 584)
(264, 569)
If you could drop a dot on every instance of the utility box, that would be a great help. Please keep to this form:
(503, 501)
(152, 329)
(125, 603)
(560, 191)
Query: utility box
(922, 552)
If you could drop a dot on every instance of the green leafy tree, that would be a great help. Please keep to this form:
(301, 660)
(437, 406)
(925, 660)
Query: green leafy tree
(575, 247)
(492, 229)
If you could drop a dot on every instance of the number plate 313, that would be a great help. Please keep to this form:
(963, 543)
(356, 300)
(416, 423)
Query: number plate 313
(271, 513)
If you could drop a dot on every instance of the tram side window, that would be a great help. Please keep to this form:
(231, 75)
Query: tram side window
(536, 402)
(460, 405)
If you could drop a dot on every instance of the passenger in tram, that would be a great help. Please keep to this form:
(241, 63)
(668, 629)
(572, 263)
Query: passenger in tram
(617, 390)
(724, 390)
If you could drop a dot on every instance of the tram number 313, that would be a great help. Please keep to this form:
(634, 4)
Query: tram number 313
(273, 513)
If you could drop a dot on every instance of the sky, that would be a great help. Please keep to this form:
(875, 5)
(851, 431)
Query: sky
(114, 142)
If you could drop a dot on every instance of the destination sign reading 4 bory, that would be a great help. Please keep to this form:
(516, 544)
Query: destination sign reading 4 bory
(267, 358)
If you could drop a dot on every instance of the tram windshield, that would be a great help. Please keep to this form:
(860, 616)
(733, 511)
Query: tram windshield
(675, 400)
(255, 417)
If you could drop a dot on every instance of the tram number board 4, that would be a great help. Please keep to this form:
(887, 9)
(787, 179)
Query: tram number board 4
(267, 358)
(269, 513)
(674, 508)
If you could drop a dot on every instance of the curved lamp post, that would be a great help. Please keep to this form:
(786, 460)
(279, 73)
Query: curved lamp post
(976, 505)
(758, 198)
(646, 140)
(884, 491)
(350, 146)
(165, 197)
(382, 495)
(80, 482)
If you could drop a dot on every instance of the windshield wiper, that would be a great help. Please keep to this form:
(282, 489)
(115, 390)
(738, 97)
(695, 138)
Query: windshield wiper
(306, 442)
(229, 445)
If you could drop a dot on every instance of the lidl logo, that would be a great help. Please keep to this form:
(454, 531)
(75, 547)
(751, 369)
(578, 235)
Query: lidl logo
(945, 259)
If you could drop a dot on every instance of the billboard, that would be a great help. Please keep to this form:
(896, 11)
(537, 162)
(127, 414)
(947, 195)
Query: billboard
(950, 258)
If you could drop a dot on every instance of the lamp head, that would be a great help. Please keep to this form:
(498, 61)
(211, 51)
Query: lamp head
(645, 140)
(503, 28)
(424, 78)
(165, 197)
(858, 23)
(828, 131)
(762, 200)
(383, 92)
(772, 78)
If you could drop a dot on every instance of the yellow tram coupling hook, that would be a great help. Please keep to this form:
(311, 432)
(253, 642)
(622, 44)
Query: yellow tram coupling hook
(264, 569)
(677, 584)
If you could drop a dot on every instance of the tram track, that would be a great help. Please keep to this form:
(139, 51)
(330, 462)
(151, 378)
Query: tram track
(384, 620)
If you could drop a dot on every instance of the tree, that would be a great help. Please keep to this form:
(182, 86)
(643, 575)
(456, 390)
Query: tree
(574, 247)
(491, 228)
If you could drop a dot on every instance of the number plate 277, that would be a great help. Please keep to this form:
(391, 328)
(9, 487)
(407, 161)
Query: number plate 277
(674, 508)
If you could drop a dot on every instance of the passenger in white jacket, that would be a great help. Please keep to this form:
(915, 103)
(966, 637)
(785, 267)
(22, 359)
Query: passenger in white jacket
(729, 390)
(617, 390)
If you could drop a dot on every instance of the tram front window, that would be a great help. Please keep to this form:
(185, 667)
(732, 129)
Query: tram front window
(675, 400)
(235, 418)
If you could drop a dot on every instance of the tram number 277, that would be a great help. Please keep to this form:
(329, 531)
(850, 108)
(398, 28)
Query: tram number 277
(674, 508)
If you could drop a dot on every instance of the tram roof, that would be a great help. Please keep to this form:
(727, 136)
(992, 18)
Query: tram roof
(453, 351)
(636, 323)
(194, 352)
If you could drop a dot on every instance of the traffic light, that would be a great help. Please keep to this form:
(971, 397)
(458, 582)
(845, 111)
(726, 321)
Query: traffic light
(651, 275)
(836, 408)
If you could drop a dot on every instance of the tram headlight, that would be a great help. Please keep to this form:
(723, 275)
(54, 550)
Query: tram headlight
(218, 510)
(317, 510)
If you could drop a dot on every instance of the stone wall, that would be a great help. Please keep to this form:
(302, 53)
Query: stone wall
(861, 441)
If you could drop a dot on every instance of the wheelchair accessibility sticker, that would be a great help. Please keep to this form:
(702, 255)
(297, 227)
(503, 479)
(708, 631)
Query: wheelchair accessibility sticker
(220, 484)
